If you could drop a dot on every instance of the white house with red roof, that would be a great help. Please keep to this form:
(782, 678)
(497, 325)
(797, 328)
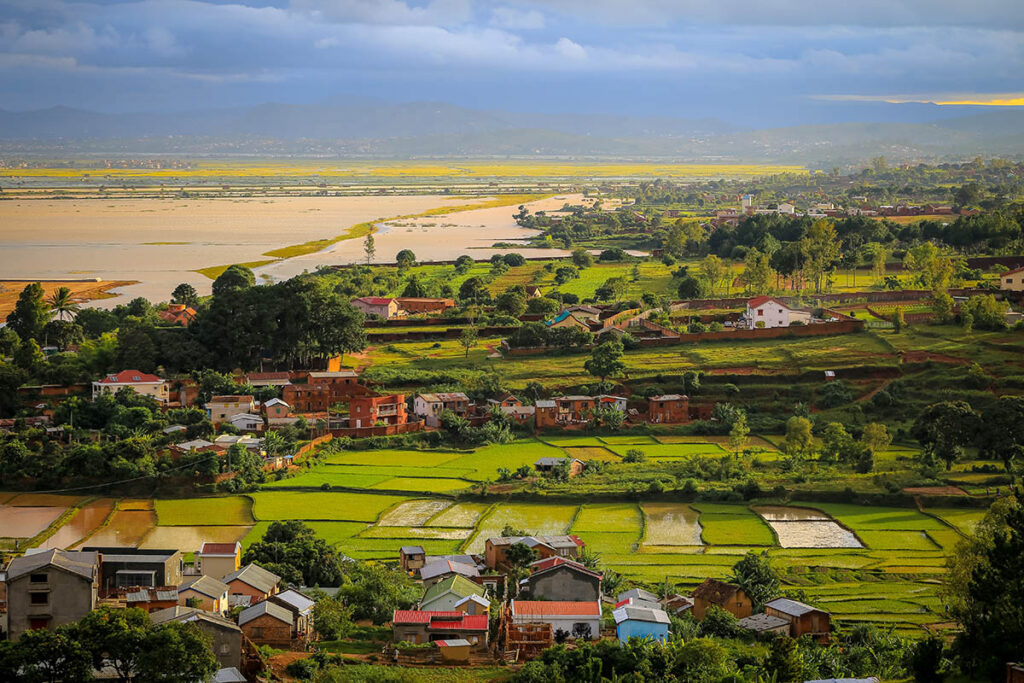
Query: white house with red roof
(579, 619)
(767, 312)
(139, 382)
(380, 306)
(1012, 280)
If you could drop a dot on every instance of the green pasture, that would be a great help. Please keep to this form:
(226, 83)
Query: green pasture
(733, 525)
(225, 511)
(608, 517)
(421, 485)
(485, 462)
(321, 505)
(318, 478)
(963, 519)
(533, 518)
(662, 451)
(396, 458)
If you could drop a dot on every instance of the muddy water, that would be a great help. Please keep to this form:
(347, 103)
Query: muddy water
(127, 527)
(161, 241)
(671, 524)
(25, 522)
(805, 528)
(78, 527)
(191, 538)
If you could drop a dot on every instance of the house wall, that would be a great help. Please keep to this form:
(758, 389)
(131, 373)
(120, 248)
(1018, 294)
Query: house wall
(668, 412)
(238, 587)
(168, 572)
(631, 628)
(69, 598)
(564, 584)
(1012, 283)
(157, 391)
(442, 603)
(816, 622)
(410, 633)
(205, 602)
(218, 567)
(738, 605)
(223, 412)
(268, 630)
(226, 642)
(565, 624)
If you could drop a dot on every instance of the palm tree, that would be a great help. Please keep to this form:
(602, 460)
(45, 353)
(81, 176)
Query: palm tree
(62, 303)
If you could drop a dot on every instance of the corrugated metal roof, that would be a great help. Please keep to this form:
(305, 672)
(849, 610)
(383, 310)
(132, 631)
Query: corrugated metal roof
(791, 607)
(266, 607)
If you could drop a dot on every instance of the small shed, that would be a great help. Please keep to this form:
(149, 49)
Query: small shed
(546, 465)
(641, 622)
(455, 651)
(412, 557)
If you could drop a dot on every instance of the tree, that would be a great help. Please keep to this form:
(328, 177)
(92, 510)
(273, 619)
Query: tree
(1003, 433)
(30, 313)
(926, 659)
(62, 302)
(943, 429)
(463, 264)
(581, 258)
(898, 320)
(942, 307)
(185, 294)
(738, 433)
(785, 663)
(984, 588)
(712, 271)
(405, 259)
(986, 313)
(369, 248)
(565, 273)
(511, 302)
(799, 440)
(876, 436)
(758, 273)
(62, 333)
(718, 622)
(821, 247)
(177, 652)
(45, 656)
(542, 305)
(414, 288)
(117, 637)
(606, 360)
(757, 577)
(332, 618)
(689, 288)
(520, 555)
(612, 289)
(473, 291)
(300, 555)
(232, 280)
(468, 339)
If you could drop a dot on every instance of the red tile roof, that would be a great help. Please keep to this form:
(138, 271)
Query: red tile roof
(375, 300)
(445, 621)
(546, 608)
(1013, 272)
(219, 548)
(757, 301)
(128, 377)
(267, 375)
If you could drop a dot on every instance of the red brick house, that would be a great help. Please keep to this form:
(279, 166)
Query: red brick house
(252, 580)
(366, 411)
(267, 623)
(728, 596)
(546, 546)
(418, 305)
(668, 409)
(804, 620)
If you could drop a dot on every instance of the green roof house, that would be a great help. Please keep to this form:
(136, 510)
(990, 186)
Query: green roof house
(443, 596)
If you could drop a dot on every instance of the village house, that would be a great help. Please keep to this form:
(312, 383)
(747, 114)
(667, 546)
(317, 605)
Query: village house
(246, 422)
(267, 379)
(50, 589)
(416, 626)
(473, 604)
(411, 557)
(569, 319)
(804, 620)
(205, 593)
(677, 604)
(443, 595)
(225, 636)
(151, 599)
(423, 305)
(548, 465)
(220, 409)
(641, 622)
(764, 623)
(218, 559)
(637, 597)
(250, 442)
(668, 409)
(140, 382)
(367, 411)
(127, 567)
(178, 314)
(577, 619)
(301, 607)
(267, 623)
(558, 578)
(562, 411)
(430, 406)
(277, 412)
(439, 570)
(1012, 280)
(728, 596)
(197, 446)
(511, 406)
(769, 312)
(382, 307)
(496, 548)
(253, 581)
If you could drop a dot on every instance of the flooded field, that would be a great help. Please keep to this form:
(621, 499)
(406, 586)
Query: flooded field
(413, 513)
(671, 524)
(806, 528)
(127, 527)
(27, 521)
(160, 242)
(44, 499)
(188, 538)
(460, 515)
(88, 518)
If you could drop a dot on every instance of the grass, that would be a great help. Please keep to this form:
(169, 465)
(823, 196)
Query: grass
(897, 540)
(334, 479)
(226, 511)
(421, 485)
(533, 518)
(672, 451)
(733, 525)
(608, 517)
(214, 272)
(397, 458)
(963, 519)
(860, 518)
(323, 506)
(486, 461)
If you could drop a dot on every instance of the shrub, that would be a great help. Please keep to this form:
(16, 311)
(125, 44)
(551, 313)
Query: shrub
(634, 455)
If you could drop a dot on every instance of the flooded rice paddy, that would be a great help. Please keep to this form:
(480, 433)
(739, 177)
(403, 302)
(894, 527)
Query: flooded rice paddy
(671, 524)
(126, 527)
(191, 538)
(798, 527)
(83, 523)
(414, 513)
(27, 521)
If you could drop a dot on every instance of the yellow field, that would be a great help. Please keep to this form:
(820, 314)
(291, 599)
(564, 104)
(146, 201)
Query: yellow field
(398, 169)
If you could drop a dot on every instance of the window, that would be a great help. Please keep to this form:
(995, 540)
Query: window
(257, 631)
(38, 578)
(39, 598)
(38, 623)
(760, 311)
(224, 648)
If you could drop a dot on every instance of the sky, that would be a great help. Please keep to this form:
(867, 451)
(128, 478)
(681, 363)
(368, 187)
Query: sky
(738, 60)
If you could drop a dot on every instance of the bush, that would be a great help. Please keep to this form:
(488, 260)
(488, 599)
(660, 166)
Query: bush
(303, 669)
(834, 394)
(634, 455)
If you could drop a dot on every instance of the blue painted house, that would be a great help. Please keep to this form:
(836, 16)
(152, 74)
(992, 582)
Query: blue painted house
(641, 622)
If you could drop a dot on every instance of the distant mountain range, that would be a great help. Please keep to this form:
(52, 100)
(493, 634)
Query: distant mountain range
(354, 126)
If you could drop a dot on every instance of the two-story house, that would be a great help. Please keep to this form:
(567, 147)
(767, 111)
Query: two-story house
(367, 411)
(50, 588)
(140, 382)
